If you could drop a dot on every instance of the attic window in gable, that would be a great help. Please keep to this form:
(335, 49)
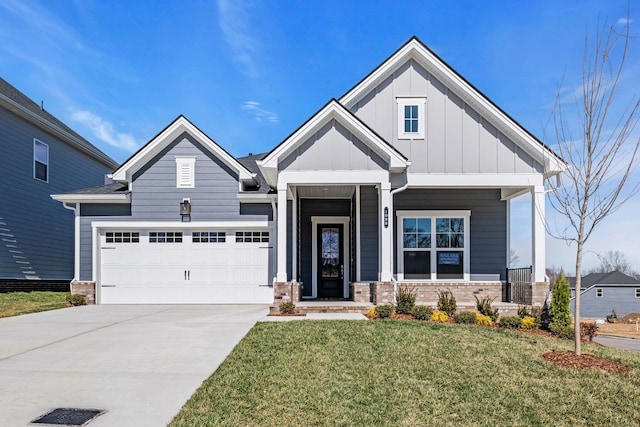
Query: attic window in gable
(185, 172)
(40, 161)
(411, 118)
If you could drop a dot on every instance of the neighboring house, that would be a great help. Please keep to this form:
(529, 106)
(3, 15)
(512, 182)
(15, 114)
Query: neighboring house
(603, 292)
(40, 156)
(405, 179)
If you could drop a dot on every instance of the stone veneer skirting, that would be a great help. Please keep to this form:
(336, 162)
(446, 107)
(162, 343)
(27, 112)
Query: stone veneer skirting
(86, 289)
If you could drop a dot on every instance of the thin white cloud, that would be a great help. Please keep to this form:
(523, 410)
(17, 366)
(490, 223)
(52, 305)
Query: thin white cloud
(259, 113)
(235, 24)
(104, 130)
(624, 21)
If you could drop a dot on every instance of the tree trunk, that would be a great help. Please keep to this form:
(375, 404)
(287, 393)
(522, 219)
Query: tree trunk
(576, 312)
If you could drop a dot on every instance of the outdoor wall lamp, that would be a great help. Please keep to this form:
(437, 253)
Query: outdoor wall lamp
(185, 210)
(386, 217)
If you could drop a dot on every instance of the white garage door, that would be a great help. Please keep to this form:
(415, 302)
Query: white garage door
(184, 267)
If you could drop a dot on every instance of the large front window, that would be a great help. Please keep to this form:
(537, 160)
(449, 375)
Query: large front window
(433, 245)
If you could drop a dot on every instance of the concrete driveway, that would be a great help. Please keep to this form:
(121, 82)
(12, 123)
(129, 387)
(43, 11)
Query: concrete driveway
(139, 363)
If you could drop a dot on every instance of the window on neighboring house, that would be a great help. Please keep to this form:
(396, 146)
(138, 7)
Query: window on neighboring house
(637, 292)
(185, 172)
(411, 118)
(165, 237)
(433, 245)
(599, 292)
(209, 237)
(40, 160)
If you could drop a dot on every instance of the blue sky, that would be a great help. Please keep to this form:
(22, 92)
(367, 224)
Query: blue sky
(248, 73)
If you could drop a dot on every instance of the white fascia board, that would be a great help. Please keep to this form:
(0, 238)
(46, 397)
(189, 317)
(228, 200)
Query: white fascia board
(181, 124)
(256, 198)
(175, 225)
(415, 50)
(474, 180)
(92, 198)
(333, 110)
(512, 193)
(331, 177)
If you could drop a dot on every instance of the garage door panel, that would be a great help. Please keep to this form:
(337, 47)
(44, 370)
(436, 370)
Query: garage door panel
(185, 272)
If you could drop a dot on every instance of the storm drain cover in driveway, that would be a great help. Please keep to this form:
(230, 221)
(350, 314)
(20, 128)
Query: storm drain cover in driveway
(68, 417)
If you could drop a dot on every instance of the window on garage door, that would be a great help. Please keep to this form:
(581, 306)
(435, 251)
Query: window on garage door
(165, 237)
(209, 237)
(252, 236)
(122, 237)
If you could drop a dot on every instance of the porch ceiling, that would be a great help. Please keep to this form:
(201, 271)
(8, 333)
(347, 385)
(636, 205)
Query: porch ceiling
(326, 191)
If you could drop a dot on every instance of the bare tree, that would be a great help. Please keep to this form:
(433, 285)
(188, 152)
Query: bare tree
(601, 160)
(513, 258)
(614, 261)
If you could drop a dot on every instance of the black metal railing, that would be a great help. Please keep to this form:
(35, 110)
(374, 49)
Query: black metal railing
(518, 281)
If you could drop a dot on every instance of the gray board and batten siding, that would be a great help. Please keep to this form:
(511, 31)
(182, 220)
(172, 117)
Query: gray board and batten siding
(154, 196)
(37, 231)
(458, 139)
(488, 222)
(622, 299)
(333, 147)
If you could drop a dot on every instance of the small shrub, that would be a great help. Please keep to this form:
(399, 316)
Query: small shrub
(528, 322)
(588, 330)
(405, 299)
(562, 331)
(384, 311)
(422, 312)
(510, 322)
(611, 318)
(371, 313)
(447, 302)
(560, 310)
(483, 305)
(76, 300)
(523, 311)
(287, 308)
(439, 316)
(465, 317)
(483, 320)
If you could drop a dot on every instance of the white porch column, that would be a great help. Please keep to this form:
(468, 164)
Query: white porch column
(385, 232)
(539, 232)
(281, 275)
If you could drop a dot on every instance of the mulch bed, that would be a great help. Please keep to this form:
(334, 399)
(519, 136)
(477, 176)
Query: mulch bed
(567, 359)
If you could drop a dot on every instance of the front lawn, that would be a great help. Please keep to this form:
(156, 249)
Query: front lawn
(16, 303)
(408, 373)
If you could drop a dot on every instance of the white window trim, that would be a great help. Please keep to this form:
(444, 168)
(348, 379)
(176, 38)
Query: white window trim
(465, 214)
(637, 292)
(182, 162)
(600, 291)
(422, 122)
(37, 141)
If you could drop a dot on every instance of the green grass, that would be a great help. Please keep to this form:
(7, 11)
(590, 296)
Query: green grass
(400, 373)
(17, 303)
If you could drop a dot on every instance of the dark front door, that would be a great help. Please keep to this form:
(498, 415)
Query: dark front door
(330, 261)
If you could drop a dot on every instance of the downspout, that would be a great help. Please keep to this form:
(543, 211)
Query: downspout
(76, 249)
(393, 278)
(274, 262)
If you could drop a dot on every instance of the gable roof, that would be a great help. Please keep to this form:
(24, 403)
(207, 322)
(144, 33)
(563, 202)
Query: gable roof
(332, 110)
(610, 278)
(415, 49)
(18, 103)
(180, 125)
